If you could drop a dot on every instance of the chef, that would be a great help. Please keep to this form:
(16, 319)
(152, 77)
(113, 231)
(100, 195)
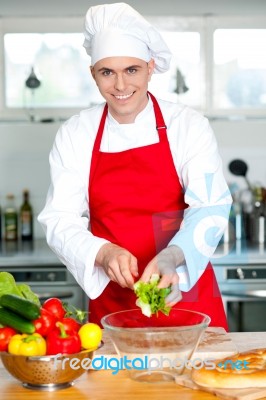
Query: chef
(137, 186)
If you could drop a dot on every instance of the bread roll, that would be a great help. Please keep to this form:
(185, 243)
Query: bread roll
(251, 371)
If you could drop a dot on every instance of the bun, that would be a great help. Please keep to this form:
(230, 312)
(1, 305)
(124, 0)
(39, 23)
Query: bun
(251, 371)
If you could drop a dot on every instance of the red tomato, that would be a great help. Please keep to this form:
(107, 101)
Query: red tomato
(55, 307)
(70, 324)
(45, 323)
(5, 335)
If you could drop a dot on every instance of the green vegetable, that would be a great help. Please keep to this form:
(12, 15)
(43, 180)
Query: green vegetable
(9, 318)
(150, 299)
(8, 285)
(28, 294)
(18, 305)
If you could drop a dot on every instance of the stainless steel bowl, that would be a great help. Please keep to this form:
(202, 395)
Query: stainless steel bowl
(48, 372)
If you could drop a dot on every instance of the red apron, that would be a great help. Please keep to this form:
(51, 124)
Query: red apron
(136, 201)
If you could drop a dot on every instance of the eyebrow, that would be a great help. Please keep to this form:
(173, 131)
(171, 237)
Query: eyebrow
(110, 69)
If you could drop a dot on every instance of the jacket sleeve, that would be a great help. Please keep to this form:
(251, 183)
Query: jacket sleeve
(207, 197)
(65, 217)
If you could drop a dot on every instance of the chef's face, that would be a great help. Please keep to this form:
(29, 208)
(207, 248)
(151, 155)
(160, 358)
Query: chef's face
(123, 82)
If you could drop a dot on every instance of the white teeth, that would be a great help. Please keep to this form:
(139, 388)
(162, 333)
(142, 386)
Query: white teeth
(126, 96)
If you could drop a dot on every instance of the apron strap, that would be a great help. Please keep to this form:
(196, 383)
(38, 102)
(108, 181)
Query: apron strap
(160, 124)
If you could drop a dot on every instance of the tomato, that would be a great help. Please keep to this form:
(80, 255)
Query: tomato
(70, 324)
(90, 335)
(6, 334)
(55, 307)
(45, 323)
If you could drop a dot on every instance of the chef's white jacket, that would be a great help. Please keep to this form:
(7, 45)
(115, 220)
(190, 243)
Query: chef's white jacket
(65, 217)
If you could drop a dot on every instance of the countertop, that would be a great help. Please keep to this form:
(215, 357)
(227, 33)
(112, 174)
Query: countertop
(27, 253)
(239, 252)
(37, 253)
(102, 385)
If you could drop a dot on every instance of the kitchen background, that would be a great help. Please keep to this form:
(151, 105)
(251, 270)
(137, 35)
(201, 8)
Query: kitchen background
(25, 145)
(27, 134)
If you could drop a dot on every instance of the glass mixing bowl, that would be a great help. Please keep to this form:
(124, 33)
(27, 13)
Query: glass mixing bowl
(155, 348)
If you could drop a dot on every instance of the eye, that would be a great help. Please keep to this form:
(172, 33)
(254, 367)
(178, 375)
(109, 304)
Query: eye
(107, 72)
(132, 70)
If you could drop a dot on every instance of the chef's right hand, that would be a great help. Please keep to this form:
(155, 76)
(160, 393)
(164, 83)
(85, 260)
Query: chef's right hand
(118, 263)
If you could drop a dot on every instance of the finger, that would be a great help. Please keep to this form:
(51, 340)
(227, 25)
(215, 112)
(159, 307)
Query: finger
(174, 296)
(125, 272)
(115, 275)
(168, 280)
(134, 267)
(150, 269)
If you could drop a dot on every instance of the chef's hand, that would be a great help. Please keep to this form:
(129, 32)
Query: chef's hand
(118, 263)
(165, 264)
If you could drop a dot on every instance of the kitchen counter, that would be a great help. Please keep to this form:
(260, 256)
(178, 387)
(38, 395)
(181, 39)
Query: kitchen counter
(102, 385)
(239, 252)
(35, 253)
(38, 253)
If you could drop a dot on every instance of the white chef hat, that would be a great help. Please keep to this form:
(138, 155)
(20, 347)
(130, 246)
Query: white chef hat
(119, 30)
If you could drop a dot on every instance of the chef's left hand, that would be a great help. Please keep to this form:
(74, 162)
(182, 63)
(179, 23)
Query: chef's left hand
(165, 264)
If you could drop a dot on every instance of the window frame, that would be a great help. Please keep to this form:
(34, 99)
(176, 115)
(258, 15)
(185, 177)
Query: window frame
(225, 22)
(205, 25)
(35, 25)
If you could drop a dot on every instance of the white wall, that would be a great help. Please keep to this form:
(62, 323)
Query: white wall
(24, 151)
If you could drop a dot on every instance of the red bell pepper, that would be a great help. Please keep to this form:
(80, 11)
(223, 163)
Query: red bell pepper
(59, 341)
(6, 334)
(45, 323)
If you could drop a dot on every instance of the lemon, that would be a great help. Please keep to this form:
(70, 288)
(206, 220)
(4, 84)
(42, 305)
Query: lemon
(90, 335)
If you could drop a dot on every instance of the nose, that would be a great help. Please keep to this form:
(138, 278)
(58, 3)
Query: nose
(120, 83)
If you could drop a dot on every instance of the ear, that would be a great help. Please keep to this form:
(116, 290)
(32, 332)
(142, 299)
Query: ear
(151, 65)
(92, 72)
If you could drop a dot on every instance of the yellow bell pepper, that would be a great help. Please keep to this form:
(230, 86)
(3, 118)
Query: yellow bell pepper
(27, 345)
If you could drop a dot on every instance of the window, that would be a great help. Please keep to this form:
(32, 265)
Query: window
(59, 62)
(218, 66)
(183, 82)
(239, 68)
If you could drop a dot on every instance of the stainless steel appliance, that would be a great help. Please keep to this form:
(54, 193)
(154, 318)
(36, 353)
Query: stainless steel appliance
(35, 264)
(243, 288)
(51, 281)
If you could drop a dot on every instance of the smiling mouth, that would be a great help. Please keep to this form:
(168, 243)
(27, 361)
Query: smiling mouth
(124, 96)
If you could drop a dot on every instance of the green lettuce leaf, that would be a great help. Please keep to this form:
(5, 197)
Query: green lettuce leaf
(28, 294)
(8, 285)
(150, 299)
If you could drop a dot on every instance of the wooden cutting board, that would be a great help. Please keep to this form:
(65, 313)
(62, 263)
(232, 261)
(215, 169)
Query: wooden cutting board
(226, 394)
(215, 343)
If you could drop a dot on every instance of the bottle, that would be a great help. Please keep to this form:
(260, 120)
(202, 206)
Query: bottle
(10, 219)
(258, 220)
(26, 218)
